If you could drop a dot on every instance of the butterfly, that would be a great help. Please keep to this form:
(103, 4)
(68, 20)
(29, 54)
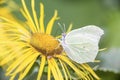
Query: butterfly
(81, 45)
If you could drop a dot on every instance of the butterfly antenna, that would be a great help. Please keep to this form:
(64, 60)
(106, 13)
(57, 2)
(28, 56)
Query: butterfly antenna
(64, 28)
(61, 27)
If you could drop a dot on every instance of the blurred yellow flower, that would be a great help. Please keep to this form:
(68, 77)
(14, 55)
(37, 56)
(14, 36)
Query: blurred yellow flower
(22, 44)
(6, 10)
(2, 1)
(6, 13)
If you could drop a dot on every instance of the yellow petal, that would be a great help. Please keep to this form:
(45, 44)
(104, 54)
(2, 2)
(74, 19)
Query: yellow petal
(54, 72)
(51, 22)
(102, 49)
(5, 12)
(90, 70)
(14, 26)
(7, 58)
(43, 60)
(22, 75)
(28, 17)
(34, 14)
(49, 74)
(64, 71)
(67, 71)
(18, 61)
(42, 27)
(79, 72)
(25, 63)
(12, 77)
(57, 68)
(69, 28)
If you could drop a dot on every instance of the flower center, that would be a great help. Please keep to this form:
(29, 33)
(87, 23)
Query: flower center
(46, 44)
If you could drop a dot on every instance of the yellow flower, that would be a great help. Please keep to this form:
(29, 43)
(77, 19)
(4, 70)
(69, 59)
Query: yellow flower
(6, 10)
(2, 1)
(22, 44)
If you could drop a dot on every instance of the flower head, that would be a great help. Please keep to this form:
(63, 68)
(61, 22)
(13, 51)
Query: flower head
(22, 44)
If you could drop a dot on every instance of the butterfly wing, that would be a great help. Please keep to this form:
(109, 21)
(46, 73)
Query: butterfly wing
(81, 45)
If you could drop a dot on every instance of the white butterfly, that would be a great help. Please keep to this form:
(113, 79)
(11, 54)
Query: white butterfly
(81, 45)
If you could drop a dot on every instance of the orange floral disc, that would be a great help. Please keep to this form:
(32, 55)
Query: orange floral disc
(46, 44)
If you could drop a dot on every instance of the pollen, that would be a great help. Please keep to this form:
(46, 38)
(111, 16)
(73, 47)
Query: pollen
(46, 44)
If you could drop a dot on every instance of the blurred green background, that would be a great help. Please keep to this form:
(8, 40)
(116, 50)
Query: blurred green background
(103, 13)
